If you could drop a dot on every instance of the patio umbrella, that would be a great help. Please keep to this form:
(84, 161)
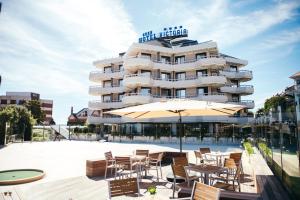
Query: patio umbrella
(177, 108)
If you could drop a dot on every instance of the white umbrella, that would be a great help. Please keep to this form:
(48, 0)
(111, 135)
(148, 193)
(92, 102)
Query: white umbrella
(178, 108)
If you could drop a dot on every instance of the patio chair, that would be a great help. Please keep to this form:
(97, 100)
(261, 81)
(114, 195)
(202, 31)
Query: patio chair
(140, 152)
(129, 186)
(180, 172)
(226, 185)
(155, 163)
(204, 150)
(125, 167)
(183, 160)
(199, 157)
(228, 173)
(203, 192)
(110, 162)
(237, 157)
(207, 159)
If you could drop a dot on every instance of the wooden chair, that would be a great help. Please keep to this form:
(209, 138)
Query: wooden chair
(155, 163)
(204, 192)
(226, 185)
(237, 157)
(180, 172)
(198, 156)
(129, 186)
(125, 167)
(110, 162)
(207, 159)
(229, 171)
(140, 152)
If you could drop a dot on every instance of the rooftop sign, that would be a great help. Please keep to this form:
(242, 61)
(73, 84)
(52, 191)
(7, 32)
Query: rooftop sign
(167, 33)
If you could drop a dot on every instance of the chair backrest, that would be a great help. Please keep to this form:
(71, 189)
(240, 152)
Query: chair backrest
(108, 155)
(179, 171)
(204, 150)
(229, 163)
(160, 156)
(198, 154)
(205, 192)
(181, 161)
(236, 157)
(141, 152)
(123, 161)
(123, 187)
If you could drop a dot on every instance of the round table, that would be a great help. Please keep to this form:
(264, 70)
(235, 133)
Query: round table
(206, 170)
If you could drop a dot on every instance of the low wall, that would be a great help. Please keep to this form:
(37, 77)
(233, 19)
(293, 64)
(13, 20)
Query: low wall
(85, 137)
(175, 140)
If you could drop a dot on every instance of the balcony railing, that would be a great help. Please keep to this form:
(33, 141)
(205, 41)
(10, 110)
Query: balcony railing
(174, 97)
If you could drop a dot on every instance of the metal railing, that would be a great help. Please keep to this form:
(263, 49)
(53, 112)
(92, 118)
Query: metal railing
(173, 80)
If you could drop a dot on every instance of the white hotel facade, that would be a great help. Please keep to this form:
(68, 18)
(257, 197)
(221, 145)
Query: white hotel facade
(168, 68)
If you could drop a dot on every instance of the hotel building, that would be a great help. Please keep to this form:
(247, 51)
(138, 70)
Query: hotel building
(19, 98)
(163, 68)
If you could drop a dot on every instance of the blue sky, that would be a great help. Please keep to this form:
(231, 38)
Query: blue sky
(48, 46)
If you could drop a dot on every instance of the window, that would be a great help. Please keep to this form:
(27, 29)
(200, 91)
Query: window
(165, 76)
(106, 98)
(145, 91)
(165, 92)
(3, 101)
(200, 56)
(201, 73)
(107, 69)
(298, 82)
(235, 83)
(120, 82)
(21, 102)
(107, 84)
(146, 73)
(165, 59)
(179, 59)
(121, 67)
(146, 55)
(120, 96)
(233, 68)
(180, 93)
(180, 76)
(12, 101)
(235, 98)
(202, 91)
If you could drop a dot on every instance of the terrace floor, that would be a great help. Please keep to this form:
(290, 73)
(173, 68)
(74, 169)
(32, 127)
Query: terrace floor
(64, 163)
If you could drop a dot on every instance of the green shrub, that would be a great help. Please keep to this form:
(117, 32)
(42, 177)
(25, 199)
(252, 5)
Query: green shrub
(248, 148)
(264, 148)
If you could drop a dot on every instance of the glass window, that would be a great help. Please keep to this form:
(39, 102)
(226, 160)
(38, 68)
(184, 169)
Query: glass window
(201, 73)
(202, 91)
(235, 83)
(13, 101)
(121, 82)
(107, 69)
(106, 98)
(120, 96)
(200, 56)
(107, 84)
(179, 59)
(180, 76)
(146, 73)
(3, 101)
(298, 82)
(145, 91)
(165, 92)
(235, 97)
(180, 93)
(165, 59)
(146, 55)
(165, 76)
(121, 67)
(233, 68)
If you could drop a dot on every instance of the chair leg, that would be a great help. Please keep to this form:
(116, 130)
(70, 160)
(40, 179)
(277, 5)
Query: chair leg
(160, 170)
(157, 177)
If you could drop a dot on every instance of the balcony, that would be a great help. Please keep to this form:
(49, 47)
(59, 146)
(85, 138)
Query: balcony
(248, 103)
(99, 90)
(107, 62)
(99, 76)
(135, 63)
(242, 75)
(242, 89)
(98, 105)
(104, 120)
(135, 80)
(214, 97)
(136, 98)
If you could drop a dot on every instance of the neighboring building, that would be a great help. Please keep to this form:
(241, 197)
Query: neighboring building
(19, 98)
(78, 118)
(296, 77)
(166, 68)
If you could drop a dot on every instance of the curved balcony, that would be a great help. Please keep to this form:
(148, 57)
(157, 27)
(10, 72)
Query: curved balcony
(99, 90)
(135, 80)
(215, 97)
(99, 76)
(98, 105)
(107, 62)
(242, 89)
(106, 120)
(243, 75)
(136, 98)
(135, 63)
(248, 103)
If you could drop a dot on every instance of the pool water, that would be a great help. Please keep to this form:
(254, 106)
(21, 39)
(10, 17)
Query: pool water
(18, 174)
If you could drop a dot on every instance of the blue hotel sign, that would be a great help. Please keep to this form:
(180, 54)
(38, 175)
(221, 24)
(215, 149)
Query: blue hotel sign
(171, 32)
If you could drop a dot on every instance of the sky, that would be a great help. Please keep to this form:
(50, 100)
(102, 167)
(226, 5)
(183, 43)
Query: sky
(48, 46)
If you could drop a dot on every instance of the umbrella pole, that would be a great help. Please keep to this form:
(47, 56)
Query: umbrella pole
(180, 134)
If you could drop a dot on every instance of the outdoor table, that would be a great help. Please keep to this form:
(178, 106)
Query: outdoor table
(206, 169)
(218, 155)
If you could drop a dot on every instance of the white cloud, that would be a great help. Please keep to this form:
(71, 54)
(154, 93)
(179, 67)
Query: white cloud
(49, 46)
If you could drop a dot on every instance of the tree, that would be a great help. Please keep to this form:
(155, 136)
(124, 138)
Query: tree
(260, 112)
(20, 122)
(34, 106)
(274, 102)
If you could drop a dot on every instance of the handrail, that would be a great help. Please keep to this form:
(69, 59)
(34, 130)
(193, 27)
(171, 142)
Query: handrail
(237, 71)
(102, 86)
(106, 72)
(110, 101)
(240, 86)
(172, 80)
(171, 97)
